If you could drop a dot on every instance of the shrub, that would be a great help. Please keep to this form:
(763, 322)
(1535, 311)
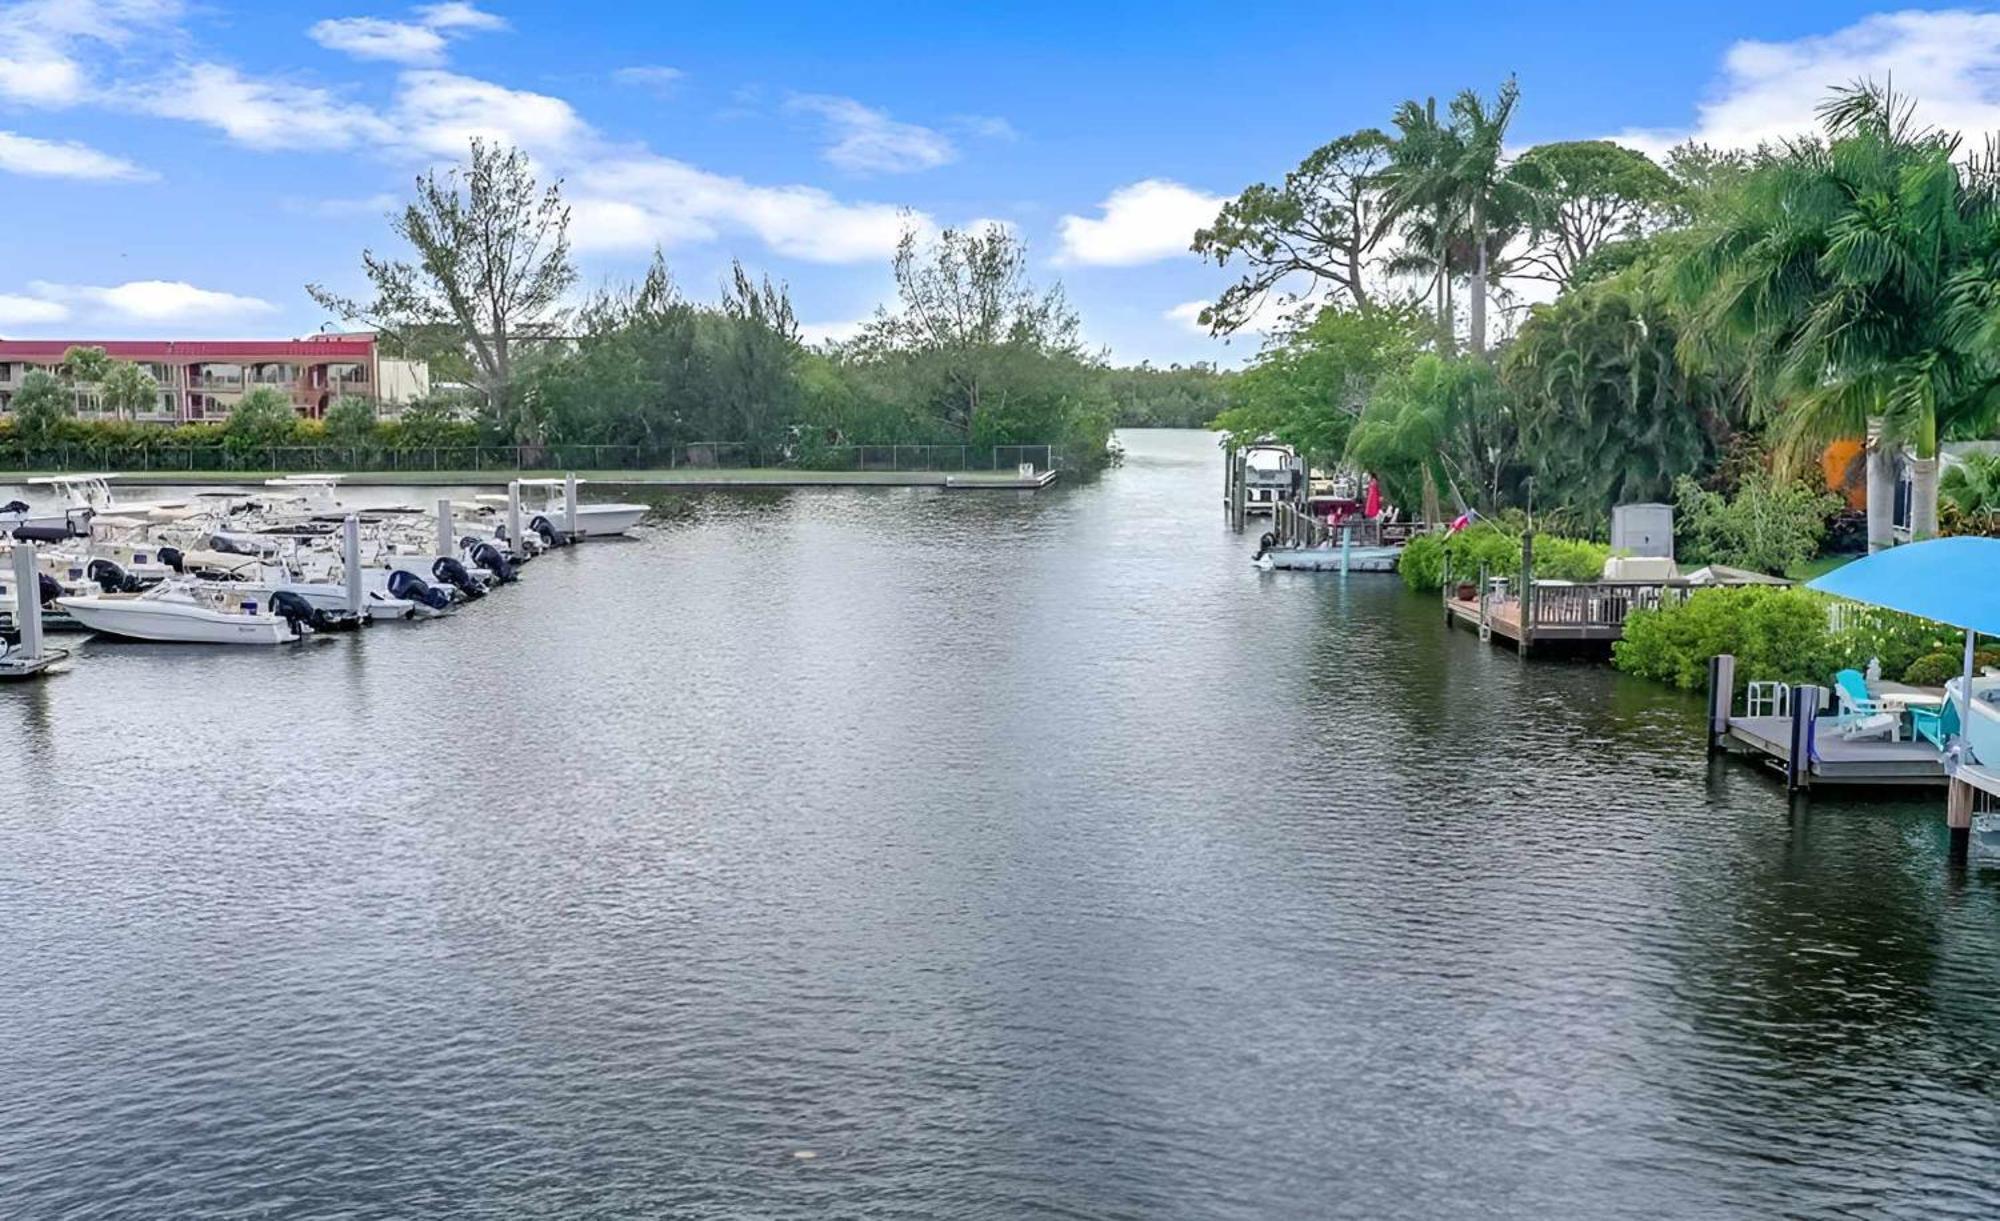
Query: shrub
(1422, 562)
(1775, 634)
(1893, 638)
(1932, 669)
(1768, 526)
(264, 416)
(1498, 549)
(1569, 559)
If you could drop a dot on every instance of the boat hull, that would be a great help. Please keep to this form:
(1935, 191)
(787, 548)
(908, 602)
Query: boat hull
(130, 619)
(1328, 559)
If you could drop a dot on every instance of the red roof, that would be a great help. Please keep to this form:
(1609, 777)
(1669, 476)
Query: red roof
(171, 351)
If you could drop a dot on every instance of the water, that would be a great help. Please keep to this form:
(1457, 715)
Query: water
(1013, 854)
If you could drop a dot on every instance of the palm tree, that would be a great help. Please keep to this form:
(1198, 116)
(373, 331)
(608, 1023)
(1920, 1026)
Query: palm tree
(1850, 275)
(1451, 180)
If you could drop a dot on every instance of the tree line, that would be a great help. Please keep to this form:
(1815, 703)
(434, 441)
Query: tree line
(1714, 319)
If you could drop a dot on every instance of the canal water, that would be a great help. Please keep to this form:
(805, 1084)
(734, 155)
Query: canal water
(900, 853)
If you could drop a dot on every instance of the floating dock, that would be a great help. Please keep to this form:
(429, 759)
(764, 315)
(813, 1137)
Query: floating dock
(1808, 754)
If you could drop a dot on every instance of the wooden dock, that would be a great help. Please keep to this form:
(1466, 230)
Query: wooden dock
(1592, 613)
(1807, 748)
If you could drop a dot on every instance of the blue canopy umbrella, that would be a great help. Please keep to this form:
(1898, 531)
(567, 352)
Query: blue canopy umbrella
(1952, 580)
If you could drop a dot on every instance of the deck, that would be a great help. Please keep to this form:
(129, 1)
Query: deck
(1835, 760)
(1592, 613)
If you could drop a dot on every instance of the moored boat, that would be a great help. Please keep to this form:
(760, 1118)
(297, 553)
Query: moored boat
(191, 612)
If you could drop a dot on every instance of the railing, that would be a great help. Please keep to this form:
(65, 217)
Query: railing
(1600, 604)
(150, 457)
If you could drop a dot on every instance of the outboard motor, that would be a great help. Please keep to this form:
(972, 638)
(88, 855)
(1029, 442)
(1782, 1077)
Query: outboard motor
(412, 588)
(540, 525)
(293, 610)
(454, 574)
(1264, 546)
(172, 558)
(489, 557)
(111, 578)
(48, 587)
(14, 506)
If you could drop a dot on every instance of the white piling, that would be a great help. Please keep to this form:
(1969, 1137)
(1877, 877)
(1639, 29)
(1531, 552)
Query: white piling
(350, 562)
(569, 506)
(27, 601)
(514, 518)
(446, 543)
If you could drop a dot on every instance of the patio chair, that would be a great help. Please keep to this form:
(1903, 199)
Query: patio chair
(1861, 715)
(1937, 725)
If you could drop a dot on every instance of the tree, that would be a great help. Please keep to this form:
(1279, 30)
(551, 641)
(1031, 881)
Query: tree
(264, 416)
(970, 324)
(127, 390)
(1608, 413)
(1308, 386)
(492, 265)
(1583, 194)
(41, 405)
(1855, 276)
(350, 420)
(1440, 425)
(85, 366)
(1316, 224)
(1454, 176)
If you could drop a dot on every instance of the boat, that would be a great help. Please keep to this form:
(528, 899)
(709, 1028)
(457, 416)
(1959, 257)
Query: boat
(1331, 557)
(192, 612)
(1272, 475)
(592, 520)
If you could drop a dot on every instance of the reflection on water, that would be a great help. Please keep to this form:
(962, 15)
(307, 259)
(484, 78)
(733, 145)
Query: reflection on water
(1011, 853)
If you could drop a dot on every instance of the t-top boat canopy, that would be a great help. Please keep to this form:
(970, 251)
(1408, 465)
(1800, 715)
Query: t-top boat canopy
(1951, 580)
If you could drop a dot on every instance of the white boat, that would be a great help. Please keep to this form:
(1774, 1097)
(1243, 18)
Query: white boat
(1272, 473)
(592, 520)
(1331, 558)
(184, 612)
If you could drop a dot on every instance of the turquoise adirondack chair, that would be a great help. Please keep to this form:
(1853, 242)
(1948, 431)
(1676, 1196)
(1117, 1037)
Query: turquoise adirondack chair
(1936, 725)
(1858, 713)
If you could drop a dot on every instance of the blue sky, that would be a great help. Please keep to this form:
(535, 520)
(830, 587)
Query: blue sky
(174, 168)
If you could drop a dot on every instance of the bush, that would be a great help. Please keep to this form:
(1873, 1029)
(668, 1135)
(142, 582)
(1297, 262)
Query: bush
(1775, 633)
(1498, 549)
(1768, 526)
(1422, 562)
(1569, 559)
(1895, 639)
(1932, 669)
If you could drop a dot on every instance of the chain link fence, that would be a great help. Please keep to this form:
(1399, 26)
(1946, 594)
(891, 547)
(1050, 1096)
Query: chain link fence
(694, 456)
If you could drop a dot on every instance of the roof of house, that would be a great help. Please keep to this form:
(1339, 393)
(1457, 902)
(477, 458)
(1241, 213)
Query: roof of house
(170, 350)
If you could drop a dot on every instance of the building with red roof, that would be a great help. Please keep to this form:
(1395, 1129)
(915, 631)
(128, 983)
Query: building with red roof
(201, 379)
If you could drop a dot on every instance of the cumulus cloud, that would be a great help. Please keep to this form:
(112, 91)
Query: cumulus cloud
(63, 159)
(439, 113)
(1141, 223)
(373, 38)
(865, 140)
(460, 16)
(148, 300)
(634, 202)
(30, 311)
(1949, 61)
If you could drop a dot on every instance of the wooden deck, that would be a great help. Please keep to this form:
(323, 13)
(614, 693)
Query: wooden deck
(1835, 760)
(1591, 613)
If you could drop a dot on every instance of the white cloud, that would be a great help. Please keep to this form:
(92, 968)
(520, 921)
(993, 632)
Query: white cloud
(439, 113)
(633, 202)
(1948, 61)
(30, 311)
(264, 114)
(457, 15)
(63, 159)
(987, 127)
(1141, 223)
(373, 38)
(152, 300)
(656, 78)
(868, 141)
(1274, 313)
(42, 59)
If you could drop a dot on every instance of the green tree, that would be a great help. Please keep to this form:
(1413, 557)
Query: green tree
(1608, 413)
(1315, 226)
(1855, 275)
(1452, 177)
(1770, 525)
(1583, 194)
(1441, 425)
(264, 416)
(85, 366)
(41, 405)
(128, 390)
(350, 420)
(1309, 386)
(491, 267)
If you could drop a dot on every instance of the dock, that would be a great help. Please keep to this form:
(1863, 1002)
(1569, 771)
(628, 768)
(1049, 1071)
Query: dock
(1782, 730)
(1555, 613)
(691, 479)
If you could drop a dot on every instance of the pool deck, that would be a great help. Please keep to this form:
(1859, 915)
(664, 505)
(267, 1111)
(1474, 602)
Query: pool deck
(1835, 759)
(692, 479)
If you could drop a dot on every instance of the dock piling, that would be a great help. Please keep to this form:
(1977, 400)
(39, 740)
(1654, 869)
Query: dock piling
(350, 563)
(1958, 805)
(1721, 695)
(1799, 752)
(446, 544)
(514, 517)
(27, 600)
(1525, 599)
